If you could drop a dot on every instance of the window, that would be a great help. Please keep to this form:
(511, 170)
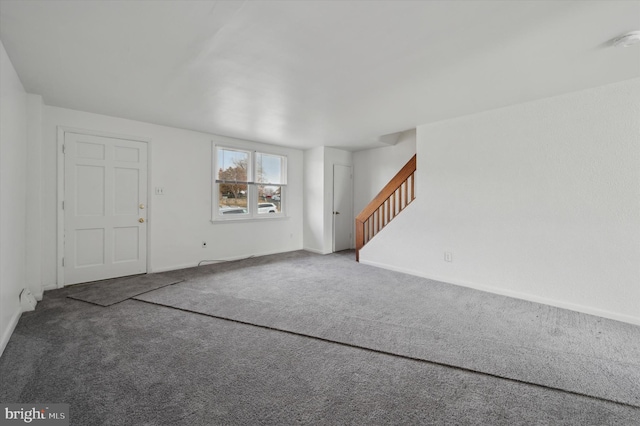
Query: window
(248, 184)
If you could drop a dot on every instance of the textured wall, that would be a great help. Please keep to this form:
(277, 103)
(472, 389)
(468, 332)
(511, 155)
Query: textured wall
(539, 200)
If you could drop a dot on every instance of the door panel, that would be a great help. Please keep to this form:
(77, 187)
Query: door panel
(90, 191)
(105, 228)
(125, 244)
(342, 208)
(87, 150)
(92, 243)
(127, 184)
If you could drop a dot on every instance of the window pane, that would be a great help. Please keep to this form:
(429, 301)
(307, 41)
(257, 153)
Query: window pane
(269, 168)
(233, 165)
(269, 199)
(232, 199)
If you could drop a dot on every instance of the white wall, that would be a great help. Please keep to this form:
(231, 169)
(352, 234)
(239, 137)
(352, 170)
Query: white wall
(179, 220)
(539, 201)
(318, 196)
(314, 200)
(374, 168)
(34, 195)
(13, 178)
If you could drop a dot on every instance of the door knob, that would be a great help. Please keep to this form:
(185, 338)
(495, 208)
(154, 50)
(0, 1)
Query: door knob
(141, 206)
(141, 220)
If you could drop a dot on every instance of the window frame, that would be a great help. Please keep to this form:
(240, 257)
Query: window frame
(252, 186)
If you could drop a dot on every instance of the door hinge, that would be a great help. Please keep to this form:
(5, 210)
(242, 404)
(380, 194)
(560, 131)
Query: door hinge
(62, 205)
(63, 262)
(64, 151)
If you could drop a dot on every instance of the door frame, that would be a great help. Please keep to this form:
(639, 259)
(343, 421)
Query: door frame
(62, 131)
(333, 208)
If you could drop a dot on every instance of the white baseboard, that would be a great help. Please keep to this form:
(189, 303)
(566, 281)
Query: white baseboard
(171, 268)
(49, 287)
(515, 294)
(223, 259)
(9, 331)
(312, 250)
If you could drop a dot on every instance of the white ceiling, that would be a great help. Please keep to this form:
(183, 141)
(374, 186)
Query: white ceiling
(310, 73)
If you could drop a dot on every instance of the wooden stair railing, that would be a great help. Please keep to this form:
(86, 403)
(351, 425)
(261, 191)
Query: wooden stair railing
(394, 197)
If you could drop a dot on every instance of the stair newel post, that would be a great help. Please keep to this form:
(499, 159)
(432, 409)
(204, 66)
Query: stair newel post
(359, 238)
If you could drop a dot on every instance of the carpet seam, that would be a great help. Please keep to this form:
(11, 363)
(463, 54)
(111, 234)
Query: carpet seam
(431, 329)
(128, 298)
(383, 352)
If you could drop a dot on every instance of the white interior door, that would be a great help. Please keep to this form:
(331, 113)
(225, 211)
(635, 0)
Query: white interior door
(342, 208)
(105, 187)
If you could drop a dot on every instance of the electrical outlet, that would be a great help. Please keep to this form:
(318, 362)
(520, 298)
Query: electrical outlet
(448, 256)
(204, 244)
(159, 190)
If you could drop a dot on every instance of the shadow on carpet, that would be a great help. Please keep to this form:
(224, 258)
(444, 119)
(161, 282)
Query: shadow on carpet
(578, 373)
(109, 292)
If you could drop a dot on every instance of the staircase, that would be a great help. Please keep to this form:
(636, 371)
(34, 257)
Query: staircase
(394, 197)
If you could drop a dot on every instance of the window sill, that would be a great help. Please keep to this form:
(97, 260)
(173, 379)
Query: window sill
(247, 220)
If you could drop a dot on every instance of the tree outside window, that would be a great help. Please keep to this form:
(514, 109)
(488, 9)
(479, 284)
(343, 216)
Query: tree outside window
(237, 195)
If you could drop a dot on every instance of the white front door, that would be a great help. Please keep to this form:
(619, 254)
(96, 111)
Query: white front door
(342, 208)
(105, 206)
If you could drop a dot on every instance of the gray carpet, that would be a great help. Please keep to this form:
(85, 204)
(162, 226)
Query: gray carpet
(136, 363)
(139, 363)
(109, 292)
(398, 314)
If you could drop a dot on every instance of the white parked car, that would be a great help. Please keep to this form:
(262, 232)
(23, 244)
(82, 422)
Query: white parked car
(267, 208)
